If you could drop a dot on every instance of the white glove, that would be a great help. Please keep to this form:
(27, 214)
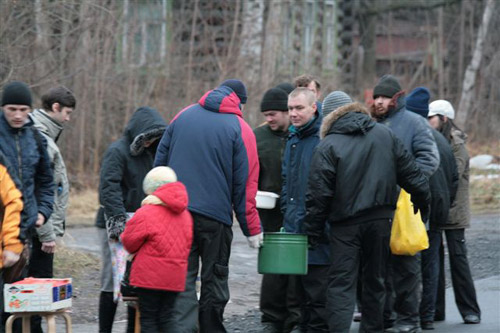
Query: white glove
(9, 258)
(256, 241)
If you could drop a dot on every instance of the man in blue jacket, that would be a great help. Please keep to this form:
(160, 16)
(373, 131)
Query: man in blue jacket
(26, 151)
(214, 153)
(415, 133)
(303, 138)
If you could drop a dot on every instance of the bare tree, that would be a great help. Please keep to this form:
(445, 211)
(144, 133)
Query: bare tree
(473, 67)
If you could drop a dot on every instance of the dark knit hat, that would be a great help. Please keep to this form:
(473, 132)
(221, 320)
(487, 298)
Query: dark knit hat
(418, 101)
(16, 92)
(287, 87)
(238, 87)
(387, 86)
(334, 100)
(274, 99)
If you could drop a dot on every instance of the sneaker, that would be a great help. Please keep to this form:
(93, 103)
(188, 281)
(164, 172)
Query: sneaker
(472, 319)
(403, 329)
(427, 325)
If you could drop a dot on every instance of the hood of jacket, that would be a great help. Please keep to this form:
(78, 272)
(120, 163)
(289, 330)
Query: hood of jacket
(46, 124)
(222, 100)
(146, 124)
(174, 196)
(350, 118)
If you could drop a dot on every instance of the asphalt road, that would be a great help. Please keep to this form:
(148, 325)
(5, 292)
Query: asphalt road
(242, 313)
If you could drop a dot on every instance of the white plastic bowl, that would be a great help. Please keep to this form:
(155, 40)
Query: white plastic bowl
(266, 200)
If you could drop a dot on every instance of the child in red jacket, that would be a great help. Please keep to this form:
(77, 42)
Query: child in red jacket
(160, 235)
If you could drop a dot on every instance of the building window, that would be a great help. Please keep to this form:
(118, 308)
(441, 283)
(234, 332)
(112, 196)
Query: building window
(144, 39)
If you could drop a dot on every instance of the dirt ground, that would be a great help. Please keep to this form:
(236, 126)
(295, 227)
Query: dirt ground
(242, 313)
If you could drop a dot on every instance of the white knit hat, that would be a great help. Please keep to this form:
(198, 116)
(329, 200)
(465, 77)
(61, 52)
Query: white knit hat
(157, 177)
(441, 107)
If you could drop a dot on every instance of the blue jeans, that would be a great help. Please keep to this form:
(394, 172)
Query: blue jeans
(430, 276)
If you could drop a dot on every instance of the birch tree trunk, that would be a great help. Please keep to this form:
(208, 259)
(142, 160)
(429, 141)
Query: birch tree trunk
(473, 67)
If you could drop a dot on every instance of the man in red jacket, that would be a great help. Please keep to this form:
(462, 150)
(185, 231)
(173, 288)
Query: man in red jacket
(214, 153)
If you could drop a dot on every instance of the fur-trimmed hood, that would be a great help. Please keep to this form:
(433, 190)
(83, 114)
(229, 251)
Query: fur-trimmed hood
(359, 120)
(146, 124)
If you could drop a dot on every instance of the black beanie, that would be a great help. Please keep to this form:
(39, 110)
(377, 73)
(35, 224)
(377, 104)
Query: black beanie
(16, 92)
(238, 87)
(287, 87)
(274, 99)
(387, 86)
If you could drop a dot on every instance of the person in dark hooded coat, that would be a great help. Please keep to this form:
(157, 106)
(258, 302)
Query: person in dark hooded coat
(124, 166)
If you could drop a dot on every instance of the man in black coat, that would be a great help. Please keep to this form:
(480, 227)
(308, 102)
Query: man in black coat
(353, 186)
(443, 185)
(123, 168)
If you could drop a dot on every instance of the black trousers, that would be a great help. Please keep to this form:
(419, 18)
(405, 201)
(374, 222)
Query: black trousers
(156, 308)
(430, 276)
(461, 277)
(41, 263)
(212, 243)
(280, 295)
(403, 287)
(41, 266)
(366, 243)
(280, 300)
(315, 288)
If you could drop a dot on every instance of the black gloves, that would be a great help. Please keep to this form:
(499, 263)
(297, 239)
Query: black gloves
(315, 240)
(115, 226)
(422, 204)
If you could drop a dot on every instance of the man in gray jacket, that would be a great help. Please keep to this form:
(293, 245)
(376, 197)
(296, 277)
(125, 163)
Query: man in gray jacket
(58, 105)
(415, 133)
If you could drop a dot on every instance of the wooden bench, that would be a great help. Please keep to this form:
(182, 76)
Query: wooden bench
(135, 301)
(50, 316)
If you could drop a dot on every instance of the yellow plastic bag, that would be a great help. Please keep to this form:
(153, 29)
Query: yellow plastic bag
(408, 234)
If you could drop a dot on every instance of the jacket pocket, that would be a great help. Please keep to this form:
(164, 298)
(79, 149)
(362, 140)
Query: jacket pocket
(460, 247)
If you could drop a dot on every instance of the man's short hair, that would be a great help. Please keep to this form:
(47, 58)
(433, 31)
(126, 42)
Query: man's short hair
(310, 96)
(61, 95)
(305, 80)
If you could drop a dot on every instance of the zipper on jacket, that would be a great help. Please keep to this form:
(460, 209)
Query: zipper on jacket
(19, 160)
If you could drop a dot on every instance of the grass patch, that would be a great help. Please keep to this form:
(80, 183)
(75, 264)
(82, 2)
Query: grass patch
(491, 147)
(82, 208)
(485, 196)
(74, 264)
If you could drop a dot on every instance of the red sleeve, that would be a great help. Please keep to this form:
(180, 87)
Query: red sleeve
(250, 143)
(136, 231)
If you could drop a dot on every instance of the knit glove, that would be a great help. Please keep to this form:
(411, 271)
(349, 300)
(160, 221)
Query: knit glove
(256, 241)
(115, 226)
